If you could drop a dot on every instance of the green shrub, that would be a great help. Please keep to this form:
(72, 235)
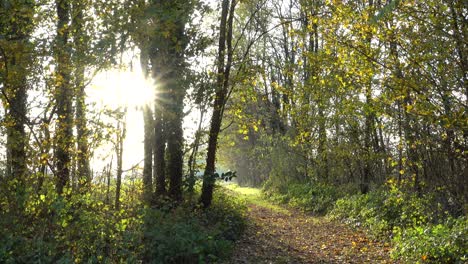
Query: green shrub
(411, 221)
(185, 235)
(382, 210)
(442, 243)
(84, 229)
(349, 208)
(178, 236)
(317, 197)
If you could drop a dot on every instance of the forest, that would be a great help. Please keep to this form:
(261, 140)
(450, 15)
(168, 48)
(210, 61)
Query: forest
(234, 131)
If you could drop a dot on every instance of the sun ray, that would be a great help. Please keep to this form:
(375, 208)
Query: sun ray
(122, 89)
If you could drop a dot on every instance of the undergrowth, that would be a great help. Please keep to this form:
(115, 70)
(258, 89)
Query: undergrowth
(88, 229)
(420, 227)
(317, 198)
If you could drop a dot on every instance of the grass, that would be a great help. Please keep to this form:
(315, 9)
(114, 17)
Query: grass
(254, 196)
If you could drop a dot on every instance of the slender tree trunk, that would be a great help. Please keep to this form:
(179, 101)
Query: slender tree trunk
(369, 120)
(222, 83)
(193, 156)
(79, 39)
(407, 120)
(323, 152)
(400, 141)
(148, 150)
(121, 133)
(460, 35)
(63, 97)
(46, 146)
(108, 176)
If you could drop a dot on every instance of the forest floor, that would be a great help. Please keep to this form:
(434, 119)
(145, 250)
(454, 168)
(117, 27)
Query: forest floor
(276, 234)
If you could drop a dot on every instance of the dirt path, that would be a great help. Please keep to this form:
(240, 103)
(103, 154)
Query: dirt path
(278, 235)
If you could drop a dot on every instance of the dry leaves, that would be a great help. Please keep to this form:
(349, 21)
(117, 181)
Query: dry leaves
(276, 237)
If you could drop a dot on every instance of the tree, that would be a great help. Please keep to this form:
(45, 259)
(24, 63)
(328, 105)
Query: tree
(148, 150)
(63, 96)
(163, 53)
(222, 88)
(16, 25)
(119, 141)
(80, 41)
(202, 90)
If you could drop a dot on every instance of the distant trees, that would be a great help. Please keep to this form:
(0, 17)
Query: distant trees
(362, 92)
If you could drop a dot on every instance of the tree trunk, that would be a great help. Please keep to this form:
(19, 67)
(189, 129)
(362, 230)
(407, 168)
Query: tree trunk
(407, 123)
(14, 92)
(193, 156)
(166, 49)
(148, 150)
(369, 119)
(222, 83)
(175, 137)
(15, 53)
(159, 147)
(108, 177)
(63, 97)
(79, 39)
(121, 133)
(15, 88)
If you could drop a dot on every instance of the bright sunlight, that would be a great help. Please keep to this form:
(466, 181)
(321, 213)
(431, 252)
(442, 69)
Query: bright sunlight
(121, 88)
